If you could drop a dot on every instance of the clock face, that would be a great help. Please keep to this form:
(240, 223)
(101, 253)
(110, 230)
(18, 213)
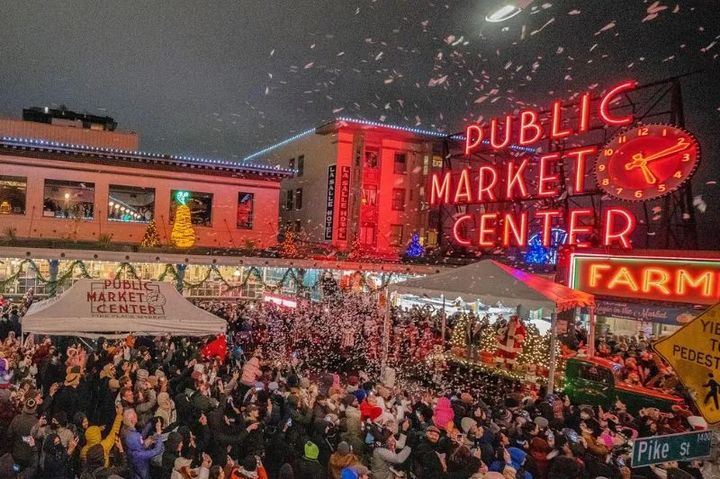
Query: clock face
(646, 162)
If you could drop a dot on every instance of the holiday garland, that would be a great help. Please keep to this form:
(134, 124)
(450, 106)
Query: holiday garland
(289, 277)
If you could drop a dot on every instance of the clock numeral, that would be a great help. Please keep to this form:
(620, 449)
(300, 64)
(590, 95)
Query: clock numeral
(605, 181)
(601, 167)
(618, 190)
(662, 187)
(638, 194)
(682, 141)
(686, 157)
(622, 139)
(643, 131)
(678, 174)
(608, 151)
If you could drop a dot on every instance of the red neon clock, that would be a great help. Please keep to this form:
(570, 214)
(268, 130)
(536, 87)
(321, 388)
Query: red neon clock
(647, 162)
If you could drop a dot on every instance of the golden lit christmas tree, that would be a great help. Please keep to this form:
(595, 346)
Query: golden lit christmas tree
(151, 238)
(183, 233)
(288, 248)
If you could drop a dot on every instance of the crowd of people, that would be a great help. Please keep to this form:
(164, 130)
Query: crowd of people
(299, 394)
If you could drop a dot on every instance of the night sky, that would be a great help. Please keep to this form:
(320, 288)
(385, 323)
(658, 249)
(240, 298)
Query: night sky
(225, 78)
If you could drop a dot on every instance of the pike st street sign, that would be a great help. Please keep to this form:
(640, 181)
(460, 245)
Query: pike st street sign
(672, 447)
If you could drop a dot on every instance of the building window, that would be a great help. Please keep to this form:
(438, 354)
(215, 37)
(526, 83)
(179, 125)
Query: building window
(371, 159)
(69, 199)
(300, 165)
(398, 199)
(298, 199)
(200, 205)
(400, 165)
(369, 197)
(289, 200)
(298, 226)
(396, 235)
(367, 234)
(12, 195)
(131, 203)
(291, 163)
(245, 210)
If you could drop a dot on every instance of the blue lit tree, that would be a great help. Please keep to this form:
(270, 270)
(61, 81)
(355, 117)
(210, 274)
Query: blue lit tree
(415, 249)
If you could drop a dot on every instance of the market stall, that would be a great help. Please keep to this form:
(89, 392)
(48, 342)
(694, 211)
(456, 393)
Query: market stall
(493, 283)
(114, 308)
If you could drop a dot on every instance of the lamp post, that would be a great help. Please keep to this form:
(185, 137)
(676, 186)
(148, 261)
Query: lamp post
(507, 11)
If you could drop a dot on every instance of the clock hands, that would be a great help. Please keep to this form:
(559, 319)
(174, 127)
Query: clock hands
(638, 161)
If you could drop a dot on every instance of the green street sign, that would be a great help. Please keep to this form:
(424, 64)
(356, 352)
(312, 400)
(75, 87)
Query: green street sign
(673, 447)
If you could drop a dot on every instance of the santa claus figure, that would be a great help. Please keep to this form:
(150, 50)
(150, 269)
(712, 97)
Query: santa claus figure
(510, 339)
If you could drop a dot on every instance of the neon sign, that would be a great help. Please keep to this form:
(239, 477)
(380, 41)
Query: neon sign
(527, 178)
(681, 280)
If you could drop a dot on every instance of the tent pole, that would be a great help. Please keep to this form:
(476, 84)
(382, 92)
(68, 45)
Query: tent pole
(591, 333)
(553, 355)
(386, 335)
(444, 323)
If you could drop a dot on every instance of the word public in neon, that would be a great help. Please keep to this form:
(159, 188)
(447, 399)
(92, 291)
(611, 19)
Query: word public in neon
(528, 128)
(532, 177)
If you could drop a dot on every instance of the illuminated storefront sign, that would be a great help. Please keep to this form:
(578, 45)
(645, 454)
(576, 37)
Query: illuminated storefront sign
(536, 177)
(344, 209)
(330, 202)
(680, 280)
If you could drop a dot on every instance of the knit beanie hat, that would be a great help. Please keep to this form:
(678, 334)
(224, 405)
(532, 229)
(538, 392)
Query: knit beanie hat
(311, 450)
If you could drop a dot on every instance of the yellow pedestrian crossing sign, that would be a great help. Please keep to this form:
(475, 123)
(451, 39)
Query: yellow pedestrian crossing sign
(694, 353)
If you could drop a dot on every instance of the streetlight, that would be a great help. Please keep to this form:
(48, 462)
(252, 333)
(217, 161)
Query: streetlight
(506, 12)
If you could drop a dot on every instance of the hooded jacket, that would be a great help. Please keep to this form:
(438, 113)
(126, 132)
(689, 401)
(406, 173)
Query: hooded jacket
(138, 456)
(93, 435)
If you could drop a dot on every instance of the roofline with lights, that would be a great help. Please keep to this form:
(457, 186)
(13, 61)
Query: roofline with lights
(142, 156)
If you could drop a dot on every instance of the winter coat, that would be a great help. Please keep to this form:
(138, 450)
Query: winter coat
(56, 464)
(426, 463)
(68, 399)
(383, 459)
(20, 427)
(145, 409)
(338, 462)
(93, 435)
(138, 456)
(310, 469)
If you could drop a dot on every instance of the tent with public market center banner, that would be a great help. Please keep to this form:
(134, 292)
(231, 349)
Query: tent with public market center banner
(115, 308)
(491, 282)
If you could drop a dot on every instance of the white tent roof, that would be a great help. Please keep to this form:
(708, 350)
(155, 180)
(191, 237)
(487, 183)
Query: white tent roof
(96, 307)
(491, 282)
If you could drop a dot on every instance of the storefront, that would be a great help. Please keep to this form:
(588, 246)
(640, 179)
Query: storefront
(651, 291)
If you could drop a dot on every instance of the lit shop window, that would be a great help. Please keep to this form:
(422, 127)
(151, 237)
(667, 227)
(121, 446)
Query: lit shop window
(131, 204)
(12, 195)
(245, 210)
(69, 199)
(396, 235)
(200, 205)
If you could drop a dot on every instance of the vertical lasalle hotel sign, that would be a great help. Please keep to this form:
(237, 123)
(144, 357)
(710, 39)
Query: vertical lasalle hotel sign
(639, 164)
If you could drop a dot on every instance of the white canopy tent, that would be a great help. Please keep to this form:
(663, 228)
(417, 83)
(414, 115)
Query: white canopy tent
(115, 308)
(491, 282)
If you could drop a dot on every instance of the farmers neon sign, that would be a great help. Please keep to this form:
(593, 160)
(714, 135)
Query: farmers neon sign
(684, 280)
(527, 178)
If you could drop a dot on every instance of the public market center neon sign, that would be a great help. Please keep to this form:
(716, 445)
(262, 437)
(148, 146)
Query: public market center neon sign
(509, 182)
